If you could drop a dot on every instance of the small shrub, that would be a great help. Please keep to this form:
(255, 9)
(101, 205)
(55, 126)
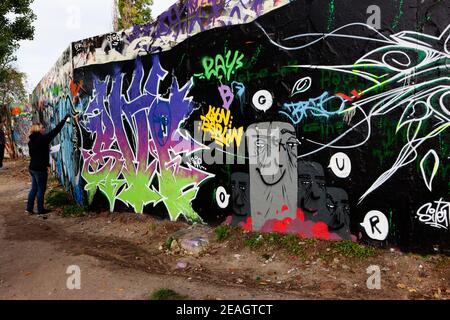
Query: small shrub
(222, 232)
(166, 294)
(57, 198)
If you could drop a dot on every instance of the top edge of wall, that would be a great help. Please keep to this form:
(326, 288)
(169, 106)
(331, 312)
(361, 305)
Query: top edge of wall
(179, 22)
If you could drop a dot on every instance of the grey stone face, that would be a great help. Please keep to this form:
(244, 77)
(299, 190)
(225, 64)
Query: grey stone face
(240, 196)
(312, 191)
(273, 171)
(339, 208)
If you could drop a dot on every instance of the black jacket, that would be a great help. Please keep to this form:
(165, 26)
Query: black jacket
(2, 137)
(39, 146)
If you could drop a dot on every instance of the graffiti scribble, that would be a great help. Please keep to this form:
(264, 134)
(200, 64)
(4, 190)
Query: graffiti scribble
(221, 66)
(318, 107)
(436, 214)
(218, 123)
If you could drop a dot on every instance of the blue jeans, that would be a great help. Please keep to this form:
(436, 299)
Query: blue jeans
(38, 187)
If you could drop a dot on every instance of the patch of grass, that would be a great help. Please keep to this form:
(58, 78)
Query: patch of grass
(223, 232)
(292, 244)
(166, 294)
(57, 198)
(353, 250)
(255, 241)
(310, 242)
(73, 210)
(273, 238)
(288, 242)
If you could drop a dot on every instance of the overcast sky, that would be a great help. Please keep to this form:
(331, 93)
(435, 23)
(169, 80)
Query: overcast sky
(60, 22)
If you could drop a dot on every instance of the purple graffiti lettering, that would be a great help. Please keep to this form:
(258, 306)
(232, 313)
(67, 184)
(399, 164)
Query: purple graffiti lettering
(227, 96)
(123, 162)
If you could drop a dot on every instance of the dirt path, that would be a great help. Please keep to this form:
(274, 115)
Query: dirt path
(120, 258)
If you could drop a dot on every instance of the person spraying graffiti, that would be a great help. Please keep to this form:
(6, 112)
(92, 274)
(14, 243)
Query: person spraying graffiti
(39, 146)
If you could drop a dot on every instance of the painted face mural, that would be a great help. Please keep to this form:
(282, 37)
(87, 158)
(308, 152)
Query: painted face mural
(240, 196)
(312, 191)
(339, 209)
(273, 171)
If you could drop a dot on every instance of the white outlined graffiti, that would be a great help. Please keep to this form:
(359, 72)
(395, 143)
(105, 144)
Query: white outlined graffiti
(341, 165)
(392, 67)
(435, 214)
(428, 179)
(376, 225)
(302, 85)
(262, 100)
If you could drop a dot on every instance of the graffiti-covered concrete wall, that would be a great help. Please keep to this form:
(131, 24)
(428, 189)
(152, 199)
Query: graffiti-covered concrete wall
(21, 121)
(323, 118)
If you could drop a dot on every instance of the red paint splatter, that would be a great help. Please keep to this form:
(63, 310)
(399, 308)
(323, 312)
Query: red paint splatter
(16, 111)
(344, 96)
(320, 231)
(300, 215)
(284, 208)
(281, 225)
(248, 226)
(356, 95)
(75, 87)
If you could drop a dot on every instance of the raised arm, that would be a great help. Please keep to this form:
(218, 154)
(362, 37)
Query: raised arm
(52, 134)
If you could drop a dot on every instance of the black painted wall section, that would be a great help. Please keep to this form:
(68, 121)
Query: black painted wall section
(332, 36)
